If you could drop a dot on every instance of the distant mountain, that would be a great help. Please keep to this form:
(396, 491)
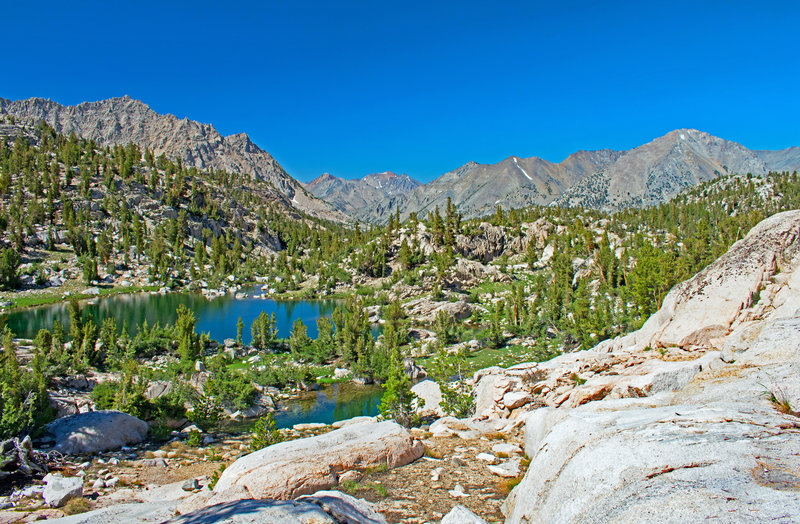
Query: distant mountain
(362, 198)
(782, 160)
(609, 180)
(124, 120)
(476, 189)
(657, 171)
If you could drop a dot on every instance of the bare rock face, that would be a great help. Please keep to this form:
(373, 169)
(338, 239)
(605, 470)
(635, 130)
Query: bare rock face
(715, 437)
(627, 461)
(95, 431)
(362, 198)
(610, 180)
(657, 171)
(709, 305)
(471, 273)
(426, 309)
(290, 469)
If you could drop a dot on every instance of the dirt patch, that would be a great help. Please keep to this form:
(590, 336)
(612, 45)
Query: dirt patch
(775, 476)
(421, 491)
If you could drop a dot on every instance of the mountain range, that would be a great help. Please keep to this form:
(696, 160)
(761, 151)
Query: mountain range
(362, 198)
(603, 179)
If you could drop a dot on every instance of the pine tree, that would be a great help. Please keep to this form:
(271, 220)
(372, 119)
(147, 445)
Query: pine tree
(397, 402)
(188, 340)
(239, 330)
(298, 341)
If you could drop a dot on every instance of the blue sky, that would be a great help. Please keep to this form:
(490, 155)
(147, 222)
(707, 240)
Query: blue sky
(423, 87)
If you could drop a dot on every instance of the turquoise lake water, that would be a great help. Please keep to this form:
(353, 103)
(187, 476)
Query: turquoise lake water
(216, 316)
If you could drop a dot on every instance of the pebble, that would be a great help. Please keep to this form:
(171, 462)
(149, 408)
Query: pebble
(458, 461)
(487, 457)
(155, 462)
(458, 491)
(506, 448)
(436, 473)
(191, 485)
(99, 484)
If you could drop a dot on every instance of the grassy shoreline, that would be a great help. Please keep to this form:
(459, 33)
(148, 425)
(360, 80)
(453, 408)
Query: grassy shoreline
(21, 302)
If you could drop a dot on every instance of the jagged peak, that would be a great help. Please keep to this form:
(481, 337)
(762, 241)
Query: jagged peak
(324, 177)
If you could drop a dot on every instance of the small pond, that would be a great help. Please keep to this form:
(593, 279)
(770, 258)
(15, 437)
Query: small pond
(329, 404)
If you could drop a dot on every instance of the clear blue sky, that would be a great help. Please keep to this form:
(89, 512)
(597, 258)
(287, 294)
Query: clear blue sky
(423, 87)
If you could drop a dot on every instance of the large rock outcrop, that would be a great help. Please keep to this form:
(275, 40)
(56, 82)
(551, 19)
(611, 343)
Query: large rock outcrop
(724, 444)
(94, 432)
(298, 467)
(702, 322)
(705, 308)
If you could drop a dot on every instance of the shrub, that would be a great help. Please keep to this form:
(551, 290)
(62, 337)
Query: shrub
(194, 439)
(76, 506)
(265, 433)
(103, 394)
(206, 412)
(215, 477)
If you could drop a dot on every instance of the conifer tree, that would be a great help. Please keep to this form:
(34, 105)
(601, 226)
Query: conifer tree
(397, 402)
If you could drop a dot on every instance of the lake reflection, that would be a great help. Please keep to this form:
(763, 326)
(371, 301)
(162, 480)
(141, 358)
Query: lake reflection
(217, 316)
(329, 404)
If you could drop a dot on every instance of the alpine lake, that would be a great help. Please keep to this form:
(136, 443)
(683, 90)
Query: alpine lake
(218, 317)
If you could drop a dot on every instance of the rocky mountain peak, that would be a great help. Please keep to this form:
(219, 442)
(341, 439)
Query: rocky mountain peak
(322, 179)
(123, 120)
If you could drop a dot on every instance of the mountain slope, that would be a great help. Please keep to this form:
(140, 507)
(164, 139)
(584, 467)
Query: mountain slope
(782, 160)
(476, 189)
(657, 171)
(359, 198)
(123, 120)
